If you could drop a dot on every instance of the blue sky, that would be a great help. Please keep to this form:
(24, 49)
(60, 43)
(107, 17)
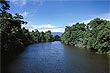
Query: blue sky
(54, 15)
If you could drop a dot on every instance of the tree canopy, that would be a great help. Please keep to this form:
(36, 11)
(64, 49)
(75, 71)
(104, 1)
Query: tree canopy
(14, 38)
(94, 35)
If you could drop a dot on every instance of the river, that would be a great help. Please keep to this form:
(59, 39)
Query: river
(55, 57)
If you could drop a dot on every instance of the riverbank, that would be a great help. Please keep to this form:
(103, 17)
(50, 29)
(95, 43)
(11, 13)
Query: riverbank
(86, 47)
(93, 35)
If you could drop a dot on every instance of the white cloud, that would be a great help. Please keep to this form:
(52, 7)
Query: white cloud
(39, 2)
(24, 2)
(48, 26)
(19, 2)
(53, 30)
(44, 28)
(105, 16)
(24, 14)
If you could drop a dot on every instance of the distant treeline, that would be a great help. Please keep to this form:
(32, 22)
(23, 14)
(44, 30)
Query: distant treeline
(14, 38)
(94, 35)
(44, 36)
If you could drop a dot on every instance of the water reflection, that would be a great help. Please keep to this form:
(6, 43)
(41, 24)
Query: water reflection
(55, 57)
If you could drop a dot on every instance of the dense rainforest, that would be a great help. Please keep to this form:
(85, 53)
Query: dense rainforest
(95, 35)
(14, 38)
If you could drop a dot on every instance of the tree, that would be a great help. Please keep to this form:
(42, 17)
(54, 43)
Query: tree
(48, 36)
(94, 35)
(57, 38)
(4, 6)
(13, 37)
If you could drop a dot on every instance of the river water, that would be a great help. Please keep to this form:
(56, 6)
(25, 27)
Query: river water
(55, 57)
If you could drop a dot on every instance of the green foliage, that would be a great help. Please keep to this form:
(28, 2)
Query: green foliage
(57, 38)
(94, 35)
(43, 36)
(13, 37)
(48, 36)
(35, 35)
(4, 6)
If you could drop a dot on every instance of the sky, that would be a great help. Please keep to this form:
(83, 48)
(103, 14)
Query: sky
(54, 15)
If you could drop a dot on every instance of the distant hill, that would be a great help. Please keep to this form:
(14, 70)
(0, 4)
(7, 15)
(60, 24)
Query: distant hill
(57, 33)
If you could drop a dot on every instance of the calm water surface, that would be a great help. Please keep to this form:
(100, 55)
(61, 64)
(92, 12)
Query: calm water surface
(55, 57)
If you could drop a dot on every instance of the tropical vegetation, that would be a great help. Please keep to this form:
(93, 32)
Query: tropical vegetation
(14, 38)
(95, 35)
